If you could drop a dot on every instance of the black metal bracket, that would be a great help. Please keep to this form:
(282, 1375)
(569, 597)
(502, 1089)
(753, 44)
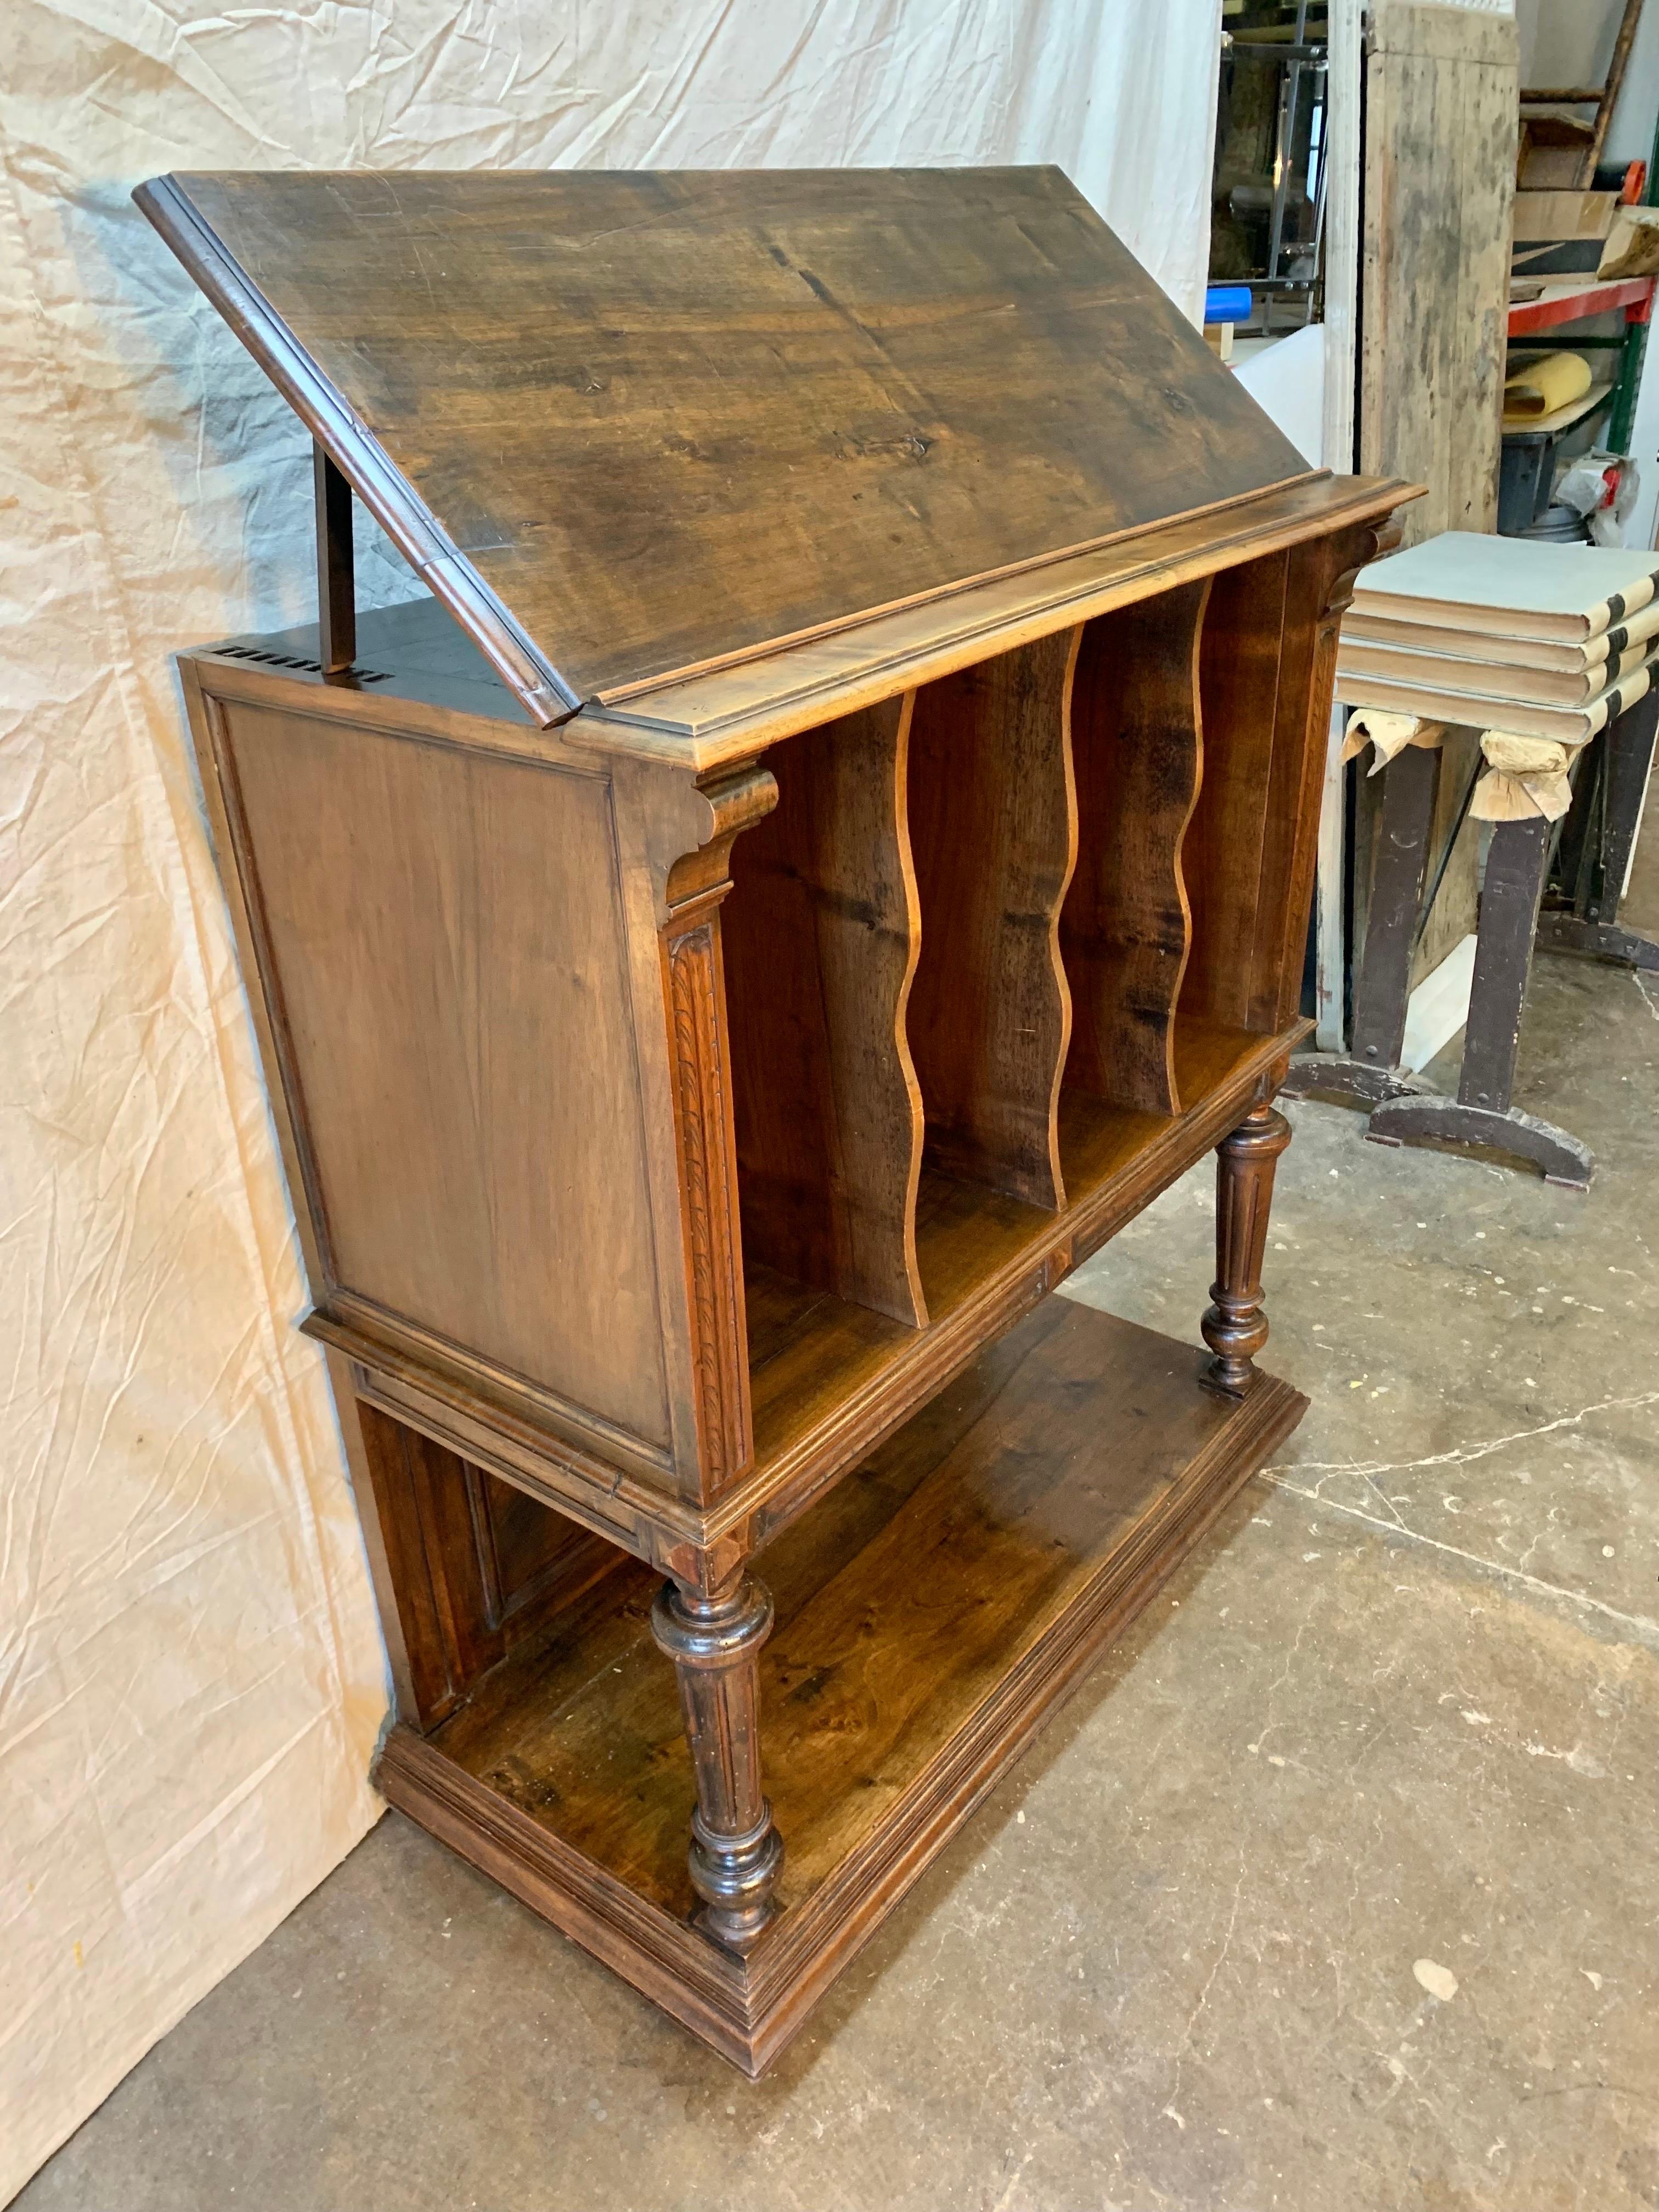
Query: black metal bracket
(337, 582)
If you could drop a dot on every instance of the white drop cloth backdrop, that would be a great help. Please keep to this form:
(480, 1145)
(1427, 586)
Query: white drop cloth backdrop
(191, 1677)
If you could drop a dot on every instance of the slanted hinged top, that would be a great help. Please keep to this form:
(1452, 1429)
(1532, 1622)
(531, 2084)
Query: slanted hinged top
(631, 428)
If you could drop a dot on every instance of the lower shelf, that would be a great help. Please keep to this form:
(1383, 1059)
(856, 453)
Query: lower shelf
(932, 1611)
(812, 1354)
(1097, 1141)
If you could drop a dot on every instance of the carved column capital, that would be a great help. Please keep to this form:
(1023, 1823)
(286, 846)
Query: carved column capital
(728, 802)
(1351, 552)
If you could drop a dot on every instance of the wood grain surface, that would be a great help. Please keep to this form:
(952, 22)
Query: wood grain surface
(820, 932)
(1440, 129)
(669, 418)
(1264, 687)
(722, 716)
(415, 655)
(1004, 1485)
(434, 931)
(1243, 645)
(1441, 124)
(1124, 930)
(994, 829)
(1049, 1490)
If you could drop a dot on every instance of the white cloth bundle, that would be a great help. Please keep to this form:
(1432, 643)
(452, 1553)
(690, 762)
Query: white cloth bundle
(1522, 777)
(1388, 733)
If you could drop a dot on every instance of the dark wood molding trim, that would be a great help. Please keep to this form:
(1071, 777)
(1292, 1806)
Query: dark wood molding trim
(622, 693)
(705, 723)
(372, 1332)
(708, 1185)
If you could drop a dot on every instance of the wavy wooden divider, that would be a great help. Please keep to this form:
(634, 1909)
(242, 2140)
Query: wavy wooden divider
(821, 933)
(1249, 855)
(1234, 892)
(1126, 927)
(993, 828)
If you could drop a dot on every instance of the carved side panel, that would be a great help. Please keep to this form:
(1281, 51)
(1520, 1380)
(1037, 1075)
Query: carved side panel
(709, 1186)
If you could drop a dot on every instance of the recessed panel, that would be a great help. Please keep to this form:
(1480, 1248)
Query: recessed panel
(444, 939)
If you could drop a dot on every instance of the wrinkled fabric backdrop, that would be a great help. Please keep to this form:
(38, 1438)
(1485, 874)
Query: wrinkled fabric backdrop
(191, 1680)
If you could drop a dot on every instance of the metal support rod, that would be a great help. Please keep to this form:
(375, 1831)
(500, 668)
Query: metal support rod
(336, 590)
(1290, 85)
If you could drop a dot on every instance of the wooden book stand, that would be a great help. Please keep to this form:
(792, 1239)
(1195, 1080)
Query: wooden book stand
(833, 842)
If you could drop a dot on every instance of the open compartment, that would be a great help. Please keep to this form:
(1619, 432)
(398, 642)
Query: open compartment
(470, 1569)
(898, 1018)
(993, 832)
(820, 933)
(1048, 1489)
(998, 943)
(1195, 749)
(1126, 927)
(1248, 858)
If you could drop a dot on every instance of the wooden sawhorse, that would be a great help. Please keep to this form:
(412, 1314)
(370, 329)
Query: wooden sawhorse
(1582, 861)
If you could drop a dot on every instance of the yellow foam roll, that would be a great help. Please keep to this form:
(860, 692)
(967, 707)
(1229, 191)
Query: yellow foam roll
(1555, 381)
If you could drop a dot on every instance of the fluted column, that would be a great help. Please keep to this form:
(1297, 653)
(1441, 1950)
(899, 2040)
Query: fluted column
(715, 1642)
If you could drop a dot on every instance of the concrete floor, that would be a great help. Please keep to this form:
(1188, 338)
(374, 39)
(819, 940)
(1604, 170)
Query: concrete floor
(1334, 1887)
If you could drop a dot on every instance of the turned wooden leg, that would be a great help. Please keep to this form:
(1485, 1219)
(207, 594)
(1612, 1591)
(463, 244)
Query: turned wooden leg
(1234, 1327)
(736, 1852)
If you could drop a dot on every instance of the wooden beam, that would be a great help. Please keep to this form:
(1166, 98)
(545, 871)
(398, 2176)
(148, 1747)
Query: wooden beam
(1610, 91)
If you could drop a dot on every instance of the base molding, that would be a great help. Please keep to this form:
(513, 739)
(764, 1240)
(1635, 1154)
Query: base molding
(1039, 1502)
